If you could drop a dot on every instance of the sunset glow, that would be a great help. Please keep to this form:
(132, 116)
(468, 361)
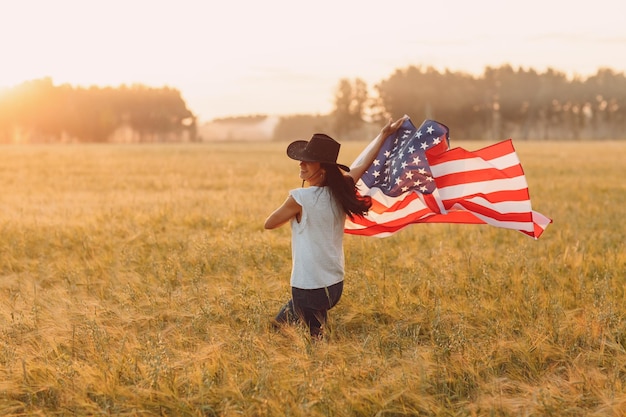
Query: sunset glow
(284, 57)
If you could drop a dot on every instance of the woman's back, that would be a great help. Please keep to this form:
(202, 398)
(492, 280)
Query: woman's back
(317, 239)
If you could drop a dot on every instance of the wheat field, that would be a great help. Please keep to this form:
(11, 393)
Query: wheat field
(137, 280)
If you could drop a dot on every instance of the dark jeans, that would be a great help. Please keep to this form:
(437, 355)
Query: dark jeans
(310, 306)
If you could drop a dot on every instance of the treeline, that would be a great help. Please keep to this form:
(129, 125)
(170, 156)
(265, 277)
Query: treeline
(39, 111)
(504, 102)
(501, 103)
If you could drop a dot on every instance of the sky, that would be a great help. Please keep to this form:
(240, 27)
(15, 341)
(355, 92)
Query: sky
(280, 57)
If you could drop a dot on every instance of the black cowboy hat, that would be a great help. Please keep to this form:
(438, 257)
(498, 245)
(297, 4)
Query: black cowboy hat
(321, 148)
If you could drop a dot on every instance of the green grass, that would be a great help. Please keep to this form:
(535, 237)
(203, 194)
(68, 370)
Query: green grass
(138, 280)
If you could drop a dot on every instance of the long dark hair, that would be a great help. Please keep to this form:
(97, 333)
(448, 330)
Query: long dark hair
(345, 190)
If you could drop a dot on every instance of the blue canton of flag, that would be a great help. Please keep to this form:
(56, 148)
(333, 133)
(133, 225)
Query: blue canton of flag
(401, 164)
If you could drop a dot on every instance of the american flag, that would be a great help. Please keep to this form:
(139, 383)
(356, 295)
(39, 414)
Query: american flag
(416, 178)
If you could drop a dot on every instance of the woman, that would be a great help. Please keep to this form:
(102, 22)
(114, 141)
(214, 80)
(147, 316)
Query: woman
(317, 215)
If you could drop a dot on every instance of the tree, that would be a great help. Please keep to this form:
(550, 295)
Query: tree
(39, 111)
(351, 101)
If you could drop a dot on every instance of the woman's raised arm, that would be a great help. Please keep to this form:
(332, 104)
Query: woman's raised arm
(360, 165)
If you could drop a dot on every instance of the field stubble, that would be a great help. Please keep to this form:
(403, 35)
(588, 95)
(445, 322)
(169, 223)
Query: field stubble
(138, 280)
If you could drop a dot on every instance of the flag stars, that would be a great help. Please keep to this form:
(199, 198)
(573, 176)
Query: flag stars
(401, 165)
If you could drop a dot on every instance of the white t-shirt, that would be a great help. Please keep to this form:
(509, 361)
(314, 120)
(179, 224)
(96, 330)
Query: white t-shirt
(317, 240)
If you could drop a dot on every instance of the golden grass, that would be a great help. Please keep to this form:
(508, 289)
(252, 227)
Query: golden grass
(138, 280)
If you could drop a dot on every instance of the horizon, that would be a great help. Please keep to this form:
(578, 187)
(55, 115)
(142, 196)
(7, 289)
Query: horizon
(279, 58)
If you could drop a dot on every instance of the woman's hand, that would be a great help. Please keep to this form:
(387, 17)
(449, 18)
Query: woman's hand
(392, 126)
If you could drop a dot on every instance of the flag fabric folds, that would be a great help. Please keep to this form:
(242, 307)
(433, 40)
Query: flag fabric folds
(417, 178)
